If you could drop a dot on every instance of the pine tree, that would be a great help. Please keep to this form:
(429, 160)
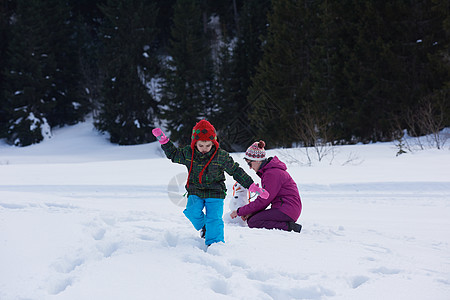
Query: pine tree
(88, 18)
(5, 30)
(248, 51)
(441, 57)
(28, 76)
(71, 100)
(355, 52)
(382, 86)
(189, 78)
(41, 87)
(282, 80)
(425, 60)
(315, 121)
(238, 63)
(129, 63)
(387, 46)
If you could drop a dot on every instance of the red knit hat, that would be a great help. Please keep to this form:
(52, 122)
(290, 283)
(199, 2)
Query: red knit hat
(203, 131)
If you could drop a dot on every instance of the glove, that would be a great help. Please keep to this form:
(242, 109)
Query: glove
(160, 136)
(254, 188)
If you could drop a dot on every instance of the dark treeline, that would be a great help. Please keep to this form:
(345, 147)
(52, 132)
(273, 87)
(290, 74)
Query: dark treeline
(290, 72)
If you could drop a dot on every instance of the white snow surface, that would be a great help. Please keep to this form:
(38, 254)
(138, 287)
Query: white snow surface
(81, 218)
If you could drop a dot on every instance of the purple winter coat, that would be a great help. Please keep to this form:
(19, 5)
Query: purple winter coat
(282, 189)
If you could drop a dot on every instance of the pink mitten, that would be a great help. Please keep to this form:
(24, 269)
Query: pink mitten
(254, 188)
(160, 136)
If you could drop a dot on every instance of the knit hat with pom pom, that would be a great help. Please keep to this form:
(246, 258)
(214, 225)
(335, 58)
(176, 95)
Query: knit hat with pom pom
(256, 151)
(203, 131)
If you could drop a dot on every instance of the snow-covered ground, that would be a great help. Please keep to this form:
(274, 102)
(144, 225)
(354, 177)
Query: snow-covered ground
(83, 219)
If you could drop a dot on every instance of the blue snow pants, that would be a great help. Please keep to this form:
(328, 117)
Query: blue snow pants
(212, 220)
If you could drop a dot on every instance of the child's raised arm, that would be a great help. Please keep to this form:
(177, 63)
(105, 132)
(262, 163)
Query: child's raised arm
(160, 136)
(179, 156)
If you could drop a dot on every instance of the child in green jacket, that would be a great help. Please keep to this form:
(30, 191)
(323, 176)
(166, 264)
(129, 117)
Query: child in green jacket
(206, 163)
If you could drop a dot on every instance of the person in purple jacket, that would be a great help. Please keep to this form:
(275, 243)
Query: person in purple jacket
(284, 198)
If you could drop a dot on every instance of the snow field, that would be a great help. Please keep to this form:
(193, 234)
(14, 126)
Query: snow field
(83, 219)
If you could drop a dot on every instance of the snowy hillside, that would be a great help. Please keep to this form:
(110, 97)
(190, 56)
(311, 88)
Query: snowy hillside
(83, 219)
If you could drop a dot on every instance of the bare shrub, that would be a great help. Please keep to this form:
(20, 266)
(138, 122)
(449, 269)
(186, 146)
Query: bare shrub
(425, 123)
(315, 132)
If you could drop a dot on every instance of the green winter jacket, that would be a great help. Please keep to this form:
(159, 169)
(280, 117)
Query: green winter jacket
(213, 180)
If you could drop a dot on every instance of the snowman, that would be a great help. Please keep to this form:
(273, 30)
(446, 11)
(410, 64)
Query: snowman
(241, 197)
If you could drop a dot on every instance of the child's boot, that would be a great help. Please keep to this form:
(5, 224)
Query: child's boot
(203, 232)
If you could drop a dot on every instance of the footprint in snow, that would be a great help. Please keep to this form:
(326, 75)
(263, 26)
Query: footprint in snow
(357, 281)
(12, 206)
(222, 268)
(60, 285)
(240, 263)
(386, 271)
(171, 239)
(108, 249)
(261, 275)
(99, 234)
(219, 286)
(311, 292)
(109, 221)
(146, 237)
(67, 265)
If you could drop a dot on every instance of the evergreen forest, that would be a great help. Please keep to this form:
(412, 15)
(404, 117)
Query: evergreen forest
(290, 72)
